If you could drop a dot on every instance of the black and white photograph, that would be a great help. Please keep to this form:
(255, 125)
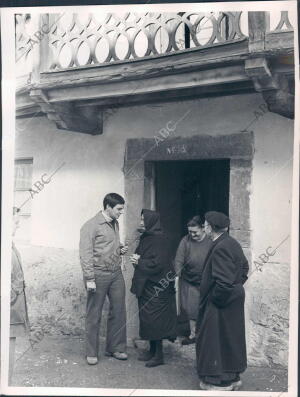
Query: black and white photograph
(150, 199)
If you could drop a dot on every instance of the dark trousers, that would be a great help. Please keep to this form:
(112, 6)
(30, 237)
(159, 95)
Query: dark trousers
(111, 284)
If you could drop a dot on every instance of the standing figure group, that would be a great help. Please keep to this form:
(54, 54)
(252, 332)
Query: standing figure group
(208, 272)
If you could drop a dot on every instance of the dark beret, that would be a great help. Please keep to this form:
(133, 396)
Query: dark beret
(217, 219)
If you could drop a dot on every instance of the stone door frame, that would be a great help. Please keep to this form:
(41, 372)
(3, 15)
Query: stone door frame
(138, 177)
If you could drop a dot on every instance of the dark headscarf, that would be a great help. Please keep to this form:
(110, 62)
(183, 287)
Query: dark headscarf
(151, 222)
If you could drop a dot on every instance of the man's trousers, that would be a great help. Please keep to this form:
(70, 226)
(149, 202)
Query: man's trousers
(111, 284)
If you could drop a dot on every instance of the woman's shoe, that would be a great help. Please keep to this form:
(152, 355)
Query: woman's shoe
(145, 355)
(158, 358)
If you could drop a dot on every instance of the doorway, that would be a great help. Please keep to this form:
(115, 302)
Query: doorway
(187, 188)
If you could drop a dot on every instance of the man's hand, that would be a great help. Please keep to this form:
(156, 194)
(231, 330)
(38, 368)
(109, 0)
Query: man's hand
(134, 259)
(124, 249)
(91, 286)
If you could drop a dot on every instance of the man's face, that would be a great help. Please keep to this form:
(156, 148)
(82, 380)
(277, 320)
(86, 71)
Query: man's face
(116, 211)
(196, 232)
(16, 223)
(207, 229)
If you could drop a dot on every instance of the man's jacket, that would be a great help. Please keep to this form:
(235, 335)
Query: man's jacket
(99, 246)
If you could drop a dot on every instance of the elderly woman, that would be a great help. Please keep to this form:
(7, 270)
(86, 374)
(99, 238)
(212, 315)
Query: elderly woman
(153, 285)
(189, 262)
(19, 325)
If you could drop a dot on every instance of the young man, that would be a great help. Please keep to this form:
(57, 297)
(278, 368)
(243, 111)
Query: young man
(220, 336)
(189, 261)
(100, 257)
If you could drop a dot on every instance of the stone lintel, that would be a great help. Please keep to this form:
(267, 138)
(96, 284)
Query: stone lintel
(235, 146)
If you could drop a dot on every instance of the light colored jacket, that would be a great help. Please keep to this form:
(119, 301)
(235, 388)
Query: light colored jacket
(99, 246)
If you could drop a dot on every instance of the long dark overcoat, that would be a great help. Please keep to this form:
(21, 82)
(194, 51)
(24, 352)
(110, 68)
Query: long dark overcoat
(220, 340)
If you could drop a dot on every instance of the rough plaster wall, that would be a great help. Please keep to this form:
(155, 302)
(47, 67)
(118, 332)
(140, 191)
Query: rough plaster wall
(93, 167)
(268, 290)
(55, 291)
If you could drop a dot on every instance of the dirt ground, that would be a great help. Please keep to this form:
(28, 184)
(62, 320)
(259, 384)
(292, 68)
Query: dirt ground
(60, 362)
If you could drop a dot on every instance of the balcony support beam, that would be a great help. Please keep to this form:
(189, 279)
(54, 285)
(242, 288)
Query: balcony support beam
(88, 120)
(273, 86)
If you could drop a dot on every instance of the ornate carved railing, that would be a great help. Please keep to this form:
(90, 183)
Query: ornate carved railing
(132, 36)
(284, 23)
(67, 40)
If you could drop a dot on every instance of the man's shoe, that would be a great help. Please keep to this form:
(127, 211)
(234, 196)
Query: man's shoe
(154, 362)
(145, 355)
(92, 360)
(117, 355)
(237, 385)
(207, 386)
(188, 341)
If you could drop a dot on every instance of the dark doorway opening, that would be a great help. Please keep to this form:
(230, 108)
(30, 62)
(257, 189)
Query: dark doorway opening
(187, 188)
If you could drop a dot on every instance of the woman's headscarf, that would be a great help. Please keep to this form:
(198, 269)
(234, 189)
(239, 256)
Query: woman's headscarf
(151, 222)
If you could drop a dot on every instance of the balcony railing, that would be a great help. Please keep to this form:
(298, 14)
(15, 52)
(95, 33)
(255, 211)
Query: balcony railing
(54, 42)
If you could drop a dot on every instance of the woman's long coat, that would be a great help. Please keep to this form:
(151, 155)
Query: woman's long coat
(220, 336)
(153, 282)
(19, 324)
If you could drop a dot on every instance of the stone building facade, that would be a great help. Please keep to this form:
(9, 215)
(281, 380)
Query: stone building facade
(188, 130)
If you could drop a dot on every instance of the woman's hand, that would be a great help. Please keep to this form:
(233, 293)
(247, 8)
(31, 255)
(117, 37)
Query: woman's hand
(134, 259)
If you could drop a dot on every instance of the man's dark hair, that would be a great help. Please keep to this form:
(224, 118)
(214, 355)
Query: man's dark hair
(217, 229)
(112, 199)
(196, 221)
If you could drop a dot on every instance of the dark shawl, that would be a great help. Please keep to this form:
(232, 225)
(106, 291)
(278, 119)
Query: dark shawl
(155, 262)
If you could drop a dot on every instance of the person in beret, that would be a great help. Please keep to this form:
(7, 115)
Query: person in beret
(220, 332)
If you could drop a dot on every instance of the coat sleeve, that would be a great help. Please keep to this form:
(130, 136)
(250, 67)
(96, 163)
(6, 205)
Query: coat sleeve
(86, 252)
(17, 279)
(153, 258)
(180, 257)
(13, 287)
(245, 270)
(223, 273)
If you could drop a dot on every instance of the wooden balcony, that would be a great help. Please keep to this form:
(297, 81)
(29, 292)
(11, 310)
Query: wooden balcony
(72, 67)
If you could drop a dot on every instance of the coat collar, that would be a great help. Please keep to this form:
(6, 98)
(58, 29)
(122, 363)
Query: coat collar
(101, 220)
(219, 239)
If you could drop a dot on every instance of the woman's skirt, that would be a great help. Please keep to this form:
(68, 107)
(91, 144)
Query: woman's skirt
(189, 299)
(157, 312)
